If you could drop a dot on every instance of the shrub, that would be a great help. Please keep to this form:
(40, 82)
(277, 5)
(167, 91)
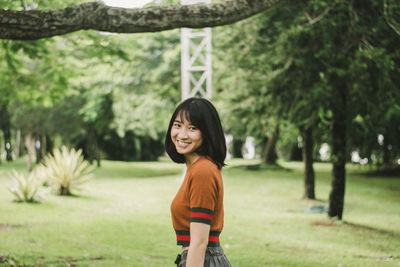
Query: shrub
(27, 189)
(66, 170)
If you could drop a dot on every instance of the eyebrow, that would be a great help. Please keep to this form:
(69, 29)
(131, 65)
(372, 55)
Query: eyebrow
(190, 124)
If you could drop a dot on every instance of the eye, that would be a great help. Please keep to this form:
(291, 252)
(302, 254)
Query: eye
(176, 124)
(192, 128)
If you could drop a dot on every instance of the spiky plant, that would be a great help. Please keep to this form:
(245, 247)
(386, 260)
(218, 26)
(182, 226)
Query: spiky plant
(27, 188)
(67, 171)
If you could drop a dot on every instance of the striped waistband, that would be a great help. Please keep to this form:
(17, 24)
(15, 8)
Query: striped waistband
(183, 238)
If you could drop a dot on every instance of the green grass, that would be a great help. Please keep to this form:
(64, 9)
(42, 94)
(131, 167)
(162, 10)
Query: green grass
(122, 219)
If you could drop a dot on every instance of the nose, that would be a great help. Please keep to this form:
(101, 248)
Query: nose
(182, 133)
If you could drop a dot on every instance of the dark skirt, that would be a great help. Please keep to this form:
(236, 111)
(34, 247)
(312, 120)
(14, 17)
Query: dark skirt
(215, 257)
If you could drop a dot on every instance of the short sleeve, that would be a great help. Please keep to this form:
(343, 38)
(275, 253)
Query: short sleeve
(203, 194)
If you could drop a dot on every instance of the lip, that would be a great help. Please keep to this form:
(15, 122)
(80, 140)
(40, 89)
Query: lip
(182, 144)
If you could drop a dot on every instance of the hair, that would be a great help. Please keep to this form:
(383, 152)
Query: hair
(202, 114)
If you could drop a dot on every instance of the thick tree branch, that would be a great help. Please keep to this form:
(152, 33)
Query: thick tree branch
(36, 24)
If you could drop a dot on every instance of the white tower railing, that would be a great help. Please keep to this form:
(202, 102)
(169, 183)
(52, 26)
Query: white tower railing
(196, 62)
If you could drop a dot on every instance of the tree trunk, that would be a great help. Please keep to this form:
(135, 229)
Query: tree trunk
(1, 148)
(18, 145)
(270, 155)
(338, 130)
(6, 128)
(237, 146)
(64, 191)
(41, 151)
(30, 148)
(387, 155)
(309, 176)
(38, 150)
(49, 144)
(92, 146)
(296, 153)
(36, 24)
(7, 143)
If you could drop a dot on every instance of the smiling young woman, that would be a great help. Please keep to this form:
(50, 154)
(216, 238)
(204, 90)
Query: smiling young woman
(195, 137)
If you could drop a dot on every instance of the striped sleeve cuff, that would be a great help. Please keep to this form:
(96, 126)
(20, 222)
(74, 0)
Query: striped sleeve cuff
(201, 215)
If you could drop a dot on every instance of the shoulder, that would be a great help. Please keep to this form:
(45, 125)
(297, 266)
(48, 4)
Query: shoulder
(205, 169)
(204, 165)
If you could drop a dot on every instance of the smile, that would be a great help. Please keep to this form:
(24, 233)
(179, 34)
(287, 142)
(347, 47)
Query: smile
(182, 143)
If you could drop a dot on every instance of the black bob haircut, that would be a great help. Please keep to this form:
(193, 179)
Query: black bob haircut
(202, 114)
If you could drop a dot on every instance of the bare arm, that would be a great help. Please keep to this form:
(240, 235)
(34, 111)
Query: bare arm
(198, 243)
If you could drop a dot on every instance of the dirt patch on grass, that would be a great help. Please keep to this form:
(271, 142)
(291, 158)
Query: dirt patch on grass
(4, 259)
(152, 257)
(321, 223)
(9, 227)
(69, 261)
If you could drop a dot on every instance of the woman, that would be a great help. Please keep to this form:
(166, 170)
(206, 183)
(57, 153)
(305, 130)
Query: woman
(195, 137)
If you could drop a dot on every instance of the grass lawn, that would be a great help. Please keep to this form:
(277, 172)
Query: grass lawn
(123, 219)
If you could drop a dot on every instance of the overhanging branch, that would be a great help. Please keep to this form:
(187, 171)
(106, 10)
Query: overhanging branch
(36, 24)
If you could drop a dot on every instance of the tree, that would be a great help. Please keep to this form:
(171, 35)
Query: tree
(320, 61)
(36, 24)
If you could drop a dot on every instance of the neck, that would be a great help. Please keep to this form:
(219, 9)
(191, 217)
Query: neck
(190, 159)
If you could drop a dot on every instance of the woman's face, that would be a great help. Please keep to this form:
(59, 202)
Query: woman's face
(186, 137)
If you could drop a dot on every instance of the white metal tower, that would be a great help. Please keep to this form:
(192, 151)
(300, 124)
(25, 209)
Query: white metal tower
(196, 59)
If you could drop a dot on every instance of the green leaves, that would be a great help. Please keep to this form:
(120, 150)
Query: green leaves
(66, 171)
(28, 188)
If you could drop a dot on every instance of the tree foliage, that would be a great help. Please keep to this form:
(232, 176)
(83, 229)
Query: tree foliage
(316, 64)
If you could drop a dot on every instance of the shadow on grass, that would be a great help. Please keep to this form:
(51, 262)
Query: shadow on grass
(135, 173)
(30, 202)
(84, 195)
(262, 167)
(315, 200)
(386, 173)
(74, 195)
(374, 230)
(356, 227)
